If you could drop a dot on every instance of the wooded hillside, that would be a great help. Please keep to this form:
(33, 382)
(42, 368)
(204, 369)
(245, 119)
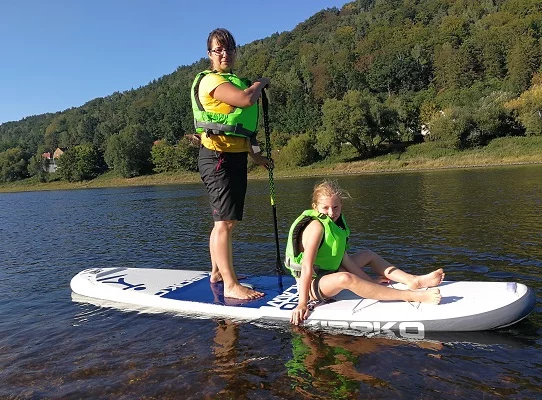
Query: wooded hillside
(370, 74)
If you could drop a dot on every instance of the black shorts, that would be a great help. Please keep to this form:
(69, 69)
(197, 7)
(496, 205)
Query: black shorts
(225, 177)
(315, 291)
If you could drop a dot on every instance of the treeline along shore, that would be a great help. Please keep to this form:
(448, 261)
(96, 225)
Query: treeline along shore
(420, 157)
(373, 86)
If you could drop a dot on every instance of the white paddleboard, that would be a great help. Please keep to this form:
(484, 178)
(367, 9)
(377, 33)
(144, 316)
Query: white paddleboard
(465, 306)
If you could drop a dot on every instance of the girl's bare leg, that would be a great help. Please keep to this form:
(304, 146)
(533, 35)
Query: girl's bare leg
(332, 284)
(385, 268)
(432, 279)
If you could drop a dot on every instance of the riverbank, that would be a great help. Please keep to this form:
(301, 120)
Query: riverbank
(425, 156)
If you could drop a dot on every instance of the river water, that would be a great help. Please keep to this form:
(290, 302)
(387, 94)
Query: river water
(478, 224)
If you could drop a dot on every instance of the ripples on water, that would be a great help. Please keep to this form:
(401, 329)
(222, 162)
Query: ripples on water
(477, 224)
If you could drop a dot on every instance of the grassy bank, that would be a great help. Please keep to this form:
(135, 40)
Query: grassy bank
(425, 156)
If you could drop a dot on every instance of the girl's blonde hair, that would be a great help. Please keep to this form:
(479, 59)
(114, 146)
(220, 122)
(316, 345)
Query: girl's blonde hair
(328, 188)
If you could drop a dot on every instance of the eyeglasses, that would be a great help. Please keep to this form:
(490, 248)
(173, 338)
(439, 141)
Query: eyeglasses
(221, 51)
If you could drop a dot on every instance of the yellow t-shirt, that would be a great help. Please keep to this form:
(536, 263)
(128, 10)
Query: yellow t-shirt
(226, 143)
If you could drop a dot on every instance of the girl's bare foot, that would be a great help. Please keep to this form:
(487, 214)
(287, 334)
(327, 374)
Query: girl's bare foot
(239, 291)
(432, 279)
(429, 296)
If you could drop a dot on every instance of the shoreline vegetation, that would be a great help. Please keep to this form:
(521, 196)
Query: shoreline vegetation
(354, 90)
(428, 156)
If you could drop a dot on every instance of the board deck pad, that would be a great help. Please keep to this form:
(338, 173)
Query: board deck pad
(465, 306)
(213, 293)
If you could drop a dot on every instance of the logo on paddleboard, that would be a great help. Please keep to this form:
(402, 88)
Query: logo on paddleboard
(408, 329)
(175, 286)
(289, 299)
(119, 280)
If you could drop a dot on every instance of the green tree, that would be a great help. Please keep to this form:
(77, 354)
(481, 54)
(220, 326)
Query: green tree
(493, 57)
(528, 108)
(86, 128)
(299, 152)
(37, 166)
(181, 157)
(451, 127)
(53, 131)
(163, 157)
(523, 61)
(492, 119)
(359, 119)
(453, 29)
(187, 155)
(129, 152)
(407, 106)
(447, 68)
(396, 73)
(13, 165)
(457, 67)
(79, 163)
(66, 165)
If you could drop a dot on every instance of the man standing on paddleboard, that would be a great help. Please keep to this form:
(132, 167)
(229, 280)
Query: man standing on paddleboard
(226, 113)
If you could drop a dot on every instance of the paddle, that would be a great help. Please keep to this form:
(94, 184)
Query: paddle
(265, 106)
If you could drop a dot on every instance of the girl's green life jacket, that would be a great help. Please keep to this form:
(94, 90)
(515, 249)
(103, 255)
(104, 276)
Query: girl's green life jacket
(331, 251)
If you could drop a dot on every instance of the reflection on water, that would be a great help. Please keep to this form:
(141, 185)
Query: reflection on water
(320, 358)
(391, 367)
(478, 224)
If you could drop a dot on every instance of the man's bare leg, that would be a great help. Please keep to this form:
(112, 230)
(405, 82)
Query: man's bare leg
(215, 273)
(222, 255)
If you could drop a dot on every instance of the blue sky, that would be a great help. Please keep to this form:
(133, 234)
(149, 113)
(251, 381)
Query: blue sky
(58, 54)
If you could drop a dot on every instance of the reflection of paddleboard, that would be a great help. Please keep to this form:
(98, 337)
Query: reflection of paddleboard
(465, 306)
(509, 337)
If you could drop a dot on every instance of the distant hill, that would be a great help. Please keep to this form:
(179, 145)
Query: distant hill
(415, 58)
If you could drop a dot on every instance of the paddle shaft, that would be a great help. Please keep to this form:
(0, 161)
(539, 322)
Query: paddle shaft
(265, 106)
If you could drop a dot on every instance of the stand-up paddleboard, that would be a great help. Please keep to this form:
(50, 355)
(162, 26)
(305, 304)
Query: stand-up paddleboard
(465, 306)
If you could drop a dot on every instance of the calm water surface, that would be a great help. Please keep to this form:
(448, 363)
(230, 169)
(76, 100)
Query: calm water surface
(483, 224)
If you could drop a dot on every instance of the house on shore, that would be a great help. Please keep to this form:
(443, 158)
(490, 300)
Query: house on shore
(50, 160)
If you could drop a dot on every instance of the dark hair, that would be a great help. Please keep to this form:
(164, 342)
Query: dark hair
(223, 37)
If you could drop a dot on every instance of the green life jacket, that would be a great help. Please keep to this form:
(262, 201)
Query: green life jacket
(331, 251)
(241, 122)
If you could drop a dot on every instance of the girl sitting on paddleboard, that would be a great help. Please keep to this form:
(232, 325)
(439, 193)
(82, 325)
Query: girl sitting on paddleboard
(316, 256)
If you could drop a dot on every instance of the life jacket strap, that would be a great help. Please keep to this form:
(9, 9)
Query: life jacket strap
(214, 128)
(295, 268)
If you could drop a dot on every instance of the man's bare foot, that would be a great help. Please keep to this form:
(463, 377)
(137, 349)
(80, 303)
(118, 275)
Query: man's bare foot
(432, 279)
(215, 277)
(239, 291)
(429, 296)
